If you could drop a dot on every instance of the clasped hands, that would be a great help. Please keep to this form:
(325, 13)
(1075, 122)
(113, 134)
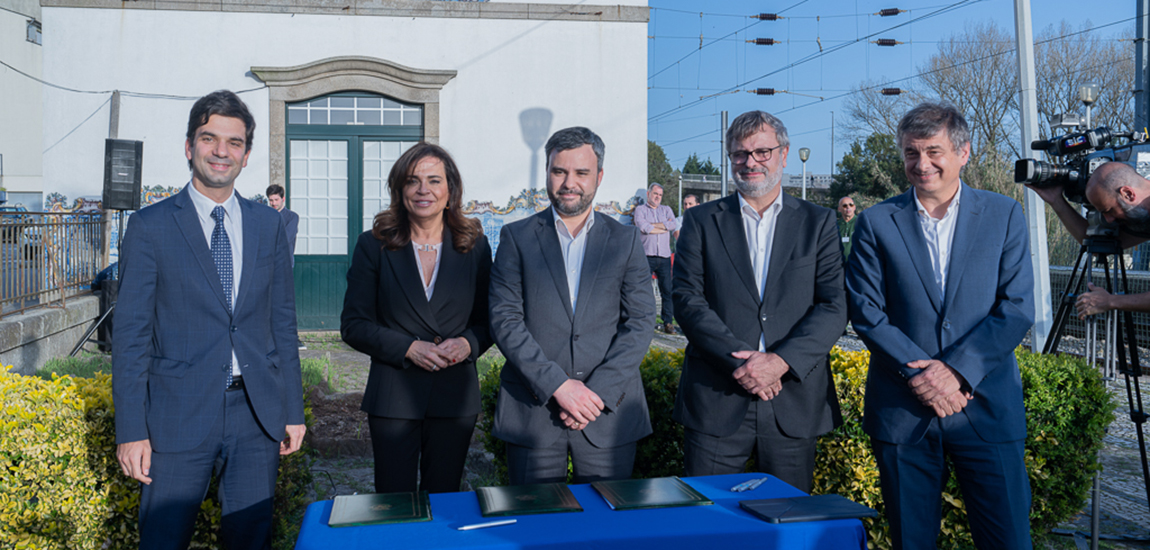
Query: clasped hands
(578, 404)
(761, 373)
(939, 387)
(434, 357)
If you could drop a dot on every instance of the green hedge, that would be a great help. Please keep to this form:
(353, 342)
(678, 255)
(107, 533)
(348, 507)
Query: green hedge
(60, 483)
(1068, 409)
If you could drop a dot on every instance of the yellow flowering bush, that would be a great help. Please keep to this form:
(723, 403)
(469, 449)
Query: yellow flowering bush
(49, 493)
(61, 486)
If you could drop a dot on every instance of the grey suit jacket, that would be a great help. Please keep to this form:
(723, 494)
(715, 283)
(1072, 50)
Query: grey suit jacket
(601, 343)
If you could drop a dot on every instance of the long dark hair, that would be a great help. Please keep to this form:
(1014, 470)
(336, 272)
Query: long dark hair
(392, 226)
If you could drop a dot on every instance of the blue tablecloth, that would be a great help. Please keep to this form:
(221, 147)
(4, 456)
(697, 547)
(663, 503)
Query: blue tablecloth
(697, 527)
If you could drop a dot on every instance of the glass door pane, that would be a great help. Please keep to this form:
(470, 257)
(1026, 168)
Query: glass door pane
(378, 158)
(319, 195)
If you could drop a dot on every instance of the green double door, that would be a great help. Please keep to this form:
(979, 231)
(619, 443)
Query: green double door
(336, 184)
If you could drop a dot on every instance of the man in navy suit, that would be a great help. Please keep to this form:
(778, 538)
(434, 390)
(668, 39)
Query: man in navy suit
(573, 310)
(206, 373)
(940, 291)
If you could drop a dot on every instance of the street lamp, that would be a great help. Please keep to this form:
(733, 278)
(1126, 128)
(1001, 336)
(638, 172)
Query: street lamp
(1088, 94)
(804, 154)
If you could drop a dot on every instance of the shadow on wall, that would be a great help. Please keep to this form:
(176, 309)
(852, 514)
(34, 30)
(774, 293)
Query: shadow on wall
(535, 123)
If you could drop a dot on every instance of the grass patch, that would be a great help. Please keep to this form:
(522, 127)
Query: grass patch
(78, 367)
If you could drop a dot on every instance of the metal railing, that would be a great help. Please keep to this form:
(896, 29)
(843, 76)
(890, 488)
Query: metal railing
(47, 257)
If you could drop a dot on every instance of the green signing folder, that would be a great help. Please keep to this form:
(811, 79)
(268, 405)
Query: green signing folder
(543, 498)
(661, 492)
(371, 509)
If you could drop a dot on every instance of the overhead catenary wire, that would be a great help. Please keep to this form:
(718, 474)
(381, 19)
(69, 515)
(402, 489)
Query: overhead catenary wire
(889, 83)
(813, 56)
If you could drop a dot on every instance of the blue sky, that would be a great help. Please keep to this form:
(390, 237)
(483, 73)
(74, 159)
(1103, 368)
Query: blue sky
(689, 86)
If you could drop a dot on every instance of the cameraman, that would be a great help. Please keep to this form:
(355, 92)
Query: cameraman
(1121, 195)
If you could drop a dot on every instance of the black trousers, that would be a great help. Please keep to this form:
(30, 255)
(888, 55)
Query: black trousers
(436, 447)
(661, 267)
(790, 459)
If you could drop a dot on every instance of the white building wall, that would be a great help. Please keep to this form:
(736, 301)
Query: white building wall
(586, 73)
(21, 107)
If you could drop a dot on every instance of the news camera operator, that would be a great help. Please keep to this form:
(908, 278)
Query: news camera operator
(1121, 195)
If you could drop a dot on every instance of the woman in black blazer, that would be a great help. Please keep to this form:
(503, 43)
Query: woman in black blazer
(416, 303)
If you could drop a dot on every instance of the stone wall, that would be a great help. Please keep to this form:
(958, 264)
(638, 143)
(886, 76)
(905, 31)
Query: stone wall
(28, 340)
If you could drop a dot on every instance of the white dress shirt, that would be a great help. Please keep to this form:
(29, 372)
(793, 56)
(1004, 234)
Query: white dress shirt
(428, 288)
(572, 249)
(234, 225)
(760, 231)
(939, 235)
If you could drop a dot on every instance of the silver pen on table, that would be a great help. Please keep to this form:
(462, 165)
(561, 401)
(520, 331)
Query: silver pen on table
(486, 525)
(748, 485)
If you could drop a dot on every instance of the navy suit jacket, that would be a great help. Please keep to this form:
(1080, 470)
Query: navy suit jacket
(385, 310)
(175, 336)
(801, 315)
(902, 316)
(601, 343)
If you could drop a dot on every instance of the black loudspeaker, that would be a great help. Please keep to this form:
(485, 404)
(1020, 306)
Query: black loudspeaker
(123, 174)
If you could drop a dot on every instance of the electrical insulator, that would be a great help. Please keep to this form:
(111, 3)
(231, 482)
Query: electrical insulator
(889, 12)
(887, 42)
(891, 91)
(764, 91)
(764, 41)
(767, 16)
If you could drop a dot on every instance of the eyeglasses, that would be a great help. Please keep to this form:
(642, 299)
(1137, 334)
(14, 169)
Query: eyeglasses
(848, 205)
(760, 155)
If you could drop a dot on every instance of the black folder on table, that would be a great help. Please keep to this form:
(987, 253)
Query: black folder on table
(812, 508)
(542, 498)
(660, 492)
(371, 509)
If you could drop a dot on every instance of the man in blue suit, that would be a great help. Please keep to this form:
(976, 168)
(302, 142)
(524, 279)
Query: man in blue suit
(940, 291)
(205, 372)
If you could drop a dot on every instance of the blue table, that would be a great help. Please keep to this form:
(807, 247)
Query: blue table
(723, 525)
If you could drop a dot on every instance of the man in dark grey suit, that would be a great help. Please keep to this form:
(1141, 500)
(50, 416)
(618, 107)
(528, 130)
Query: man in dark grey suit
(759, 295)
(206, 375)
(573, 311)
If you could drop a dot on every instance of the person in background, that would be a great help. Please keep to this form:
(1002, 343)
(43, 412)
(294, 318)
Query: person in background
(846, 223)
(690, 201)
(416, 303)
(276, 199)
(656, 221)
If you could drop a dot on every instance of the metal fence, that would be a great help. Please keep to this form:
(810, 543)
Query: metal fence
(1139, 282)
(47, 257)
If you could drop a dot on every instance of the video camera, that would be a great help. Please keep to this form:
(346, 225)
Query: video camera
(1084, 152)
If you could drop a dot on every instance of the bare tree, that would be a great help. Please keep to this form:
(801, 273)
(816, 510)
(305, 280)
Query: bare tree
(870, 112)
(975, 71)
(1066, 59)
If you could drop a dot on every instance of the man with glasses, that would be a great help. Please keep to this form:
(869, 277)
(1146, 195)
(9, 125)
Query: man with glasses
(846, 223)
(759, 294)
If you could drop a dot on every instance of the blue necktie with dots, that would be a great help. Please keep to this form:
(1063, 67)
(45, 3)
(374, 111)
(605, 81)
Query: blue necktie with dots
(222, 256)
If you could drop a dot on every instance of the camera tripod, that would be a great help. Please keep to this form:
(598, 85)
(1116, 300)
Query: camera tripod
(1119, 343)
